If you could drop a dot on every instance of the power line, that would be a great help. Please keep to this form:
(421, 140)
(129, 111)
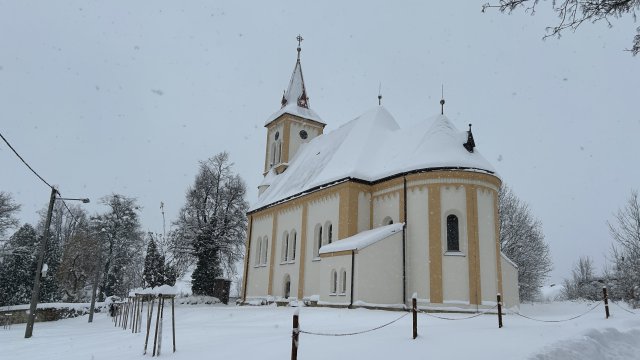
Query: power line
(20, 157)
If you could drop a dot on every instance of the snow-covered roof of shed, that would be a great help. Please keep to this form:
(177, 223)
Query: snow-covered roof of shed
(363, 239)
(373, 147)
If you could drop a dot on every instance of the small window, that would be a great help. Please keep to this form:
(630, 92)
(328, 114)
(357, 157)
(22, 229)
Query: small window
(303, 134)
(453, 240)
(329, 233)
(277, 136)
(287, 286)
(334, 282)
(343, 282)
(387, 221)
(293, 245)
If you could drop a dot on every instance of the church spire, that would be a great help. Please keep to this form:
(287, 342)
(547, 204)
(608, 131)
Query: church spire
(296, 92)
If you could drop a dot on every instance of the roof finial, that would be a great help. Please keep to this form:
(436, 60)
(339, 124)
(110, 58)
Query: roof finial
(299, 38)
(442, 101)
(380, 94)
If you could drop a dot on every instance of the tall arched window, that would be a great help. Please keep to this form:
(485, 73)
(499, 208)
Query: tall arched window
(279, 157)
(265, 247)
(329, 232)
(453, 238)
(284, 255)
(343, 282)
(334, 282)
(293, 245)
(317, 241)
(273, 154)
(258, 251)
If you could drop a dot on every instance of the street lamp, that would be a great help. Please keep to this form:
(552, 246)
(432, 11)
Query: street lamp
(35, 294)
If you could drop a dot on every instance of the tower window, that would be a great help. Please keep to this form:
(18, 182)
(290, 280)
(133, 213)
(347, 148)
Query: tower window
(453, 239)
(277, 135)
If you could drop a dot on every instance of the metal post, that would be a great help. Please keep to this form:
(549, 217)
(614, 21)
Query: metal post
(499, 311)
(35, 293)
(606, 301)
(295, 336)
(94, 288)
(173, 323)
(414, 307)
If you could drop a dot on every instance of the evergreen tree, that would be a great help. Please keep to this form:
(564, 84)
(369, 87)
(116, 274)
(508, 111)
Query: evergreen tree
(153, 273)
(212, 224)
(18, 267)
(8, 210)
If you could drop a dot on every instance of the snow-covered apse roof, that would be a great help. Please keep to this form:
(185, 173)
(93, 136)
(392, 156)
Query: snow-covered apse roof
(372, 147)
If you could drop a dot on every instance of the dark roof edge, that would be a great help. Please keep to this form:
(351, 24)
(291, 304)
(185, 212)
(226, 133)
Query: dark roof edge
(361, 181)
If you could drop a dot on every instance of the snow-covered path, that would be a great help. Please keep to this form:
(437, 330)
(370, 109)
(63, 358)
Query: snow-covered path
(219, 332)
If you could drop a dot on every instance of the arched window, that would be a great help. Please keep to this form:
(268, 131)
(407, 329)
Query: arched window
(279, 157)
(284, 256)
(287, 286)
(387, 221)
(265, 247)
(273, 154)
(317, 241)
(258, 255)
(329, 232)
(293, 245)
(343, 282)
(334, 282)
(453, 239)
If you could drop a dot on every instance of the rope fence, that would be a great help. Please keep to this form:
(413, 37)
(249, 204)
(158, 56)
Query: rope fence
(354, 333)
(414, 310)
(556, 321)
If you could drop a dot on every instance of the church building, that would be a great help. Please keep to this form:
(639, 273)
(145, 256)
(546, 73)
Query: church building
(370, 213)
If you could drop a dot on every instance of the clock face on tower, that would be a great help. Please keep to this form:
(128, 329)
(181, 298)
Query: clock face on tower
(303, 134)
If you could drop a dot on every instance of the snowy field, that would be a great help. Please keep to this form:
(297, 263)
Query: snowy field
(230, 332)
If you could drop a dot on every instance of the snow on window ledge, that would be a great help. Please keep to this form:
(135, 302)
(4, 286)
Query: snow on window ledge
(454, 253)
(315, 259)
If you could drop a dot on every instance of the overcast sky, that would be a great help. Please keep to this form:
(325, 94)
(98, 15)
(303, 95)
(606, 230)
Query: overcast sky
(126, 97)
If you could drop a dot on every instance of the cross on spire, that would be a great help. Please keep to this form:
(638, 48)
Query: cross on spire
(299, 38)
(442, 101)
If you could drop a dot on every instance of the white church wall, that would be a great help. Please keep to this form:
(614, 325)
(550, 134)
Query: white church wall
(328, 266)
(487, 250)
(417, 242)
(318, 212)
(386, 205)
(511, 295)
(258, 279)
(364, 211)
(288, 220)
(455, 265)
(378, 272)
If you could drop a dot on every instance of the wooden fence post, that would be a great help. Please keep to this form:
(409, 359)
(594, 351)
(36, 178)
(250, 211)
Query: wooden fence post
(295, 336)
(173, 323)
(149, 317)
(606, 301)
(499, 311)
(414, 308)
(155, 336)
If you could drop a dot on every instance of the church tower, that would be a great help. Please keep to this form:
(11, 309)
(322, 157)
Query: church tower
(294, 124)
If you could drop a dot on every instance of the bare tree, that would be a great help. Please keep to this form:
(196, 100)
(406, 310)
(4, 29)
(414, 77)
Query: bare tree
(212, 224)
(8, 210)
(625, 231)
(584, 283)
(573, 13)
(522, 241)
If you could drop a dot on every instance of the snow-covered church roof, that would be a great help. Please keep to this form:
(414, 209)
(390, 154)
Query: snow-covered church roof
(370, 148)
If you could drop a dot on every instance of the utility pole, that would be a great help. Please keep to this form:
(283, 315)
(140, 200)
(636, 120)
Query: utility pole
(35, 294)
(94, 288)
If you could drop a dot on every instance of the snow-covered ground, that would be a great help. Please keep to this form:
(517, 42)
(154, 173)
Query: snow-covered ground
(225, 332)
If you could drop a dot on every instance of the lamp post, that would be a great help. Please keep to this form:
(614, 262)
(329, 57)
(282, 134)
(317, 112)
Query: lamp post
(35, 294)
